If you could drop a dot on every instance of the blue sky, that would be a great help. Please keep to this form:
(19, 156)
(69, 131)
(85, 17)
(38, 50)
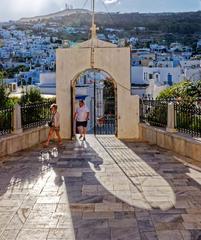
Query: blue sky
(15, 9)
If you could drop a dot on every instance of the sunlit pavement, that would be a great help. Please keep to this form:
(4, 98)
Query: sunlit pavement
(98, 190)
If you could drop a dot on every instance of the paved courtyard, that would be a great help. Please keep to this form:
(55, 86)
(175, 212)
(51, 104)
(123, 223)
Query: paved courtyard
(100, 190)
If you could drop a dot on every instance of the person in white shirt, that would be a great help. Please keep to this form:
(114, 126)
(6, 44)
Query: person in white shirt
(54, 125)
(81, 117)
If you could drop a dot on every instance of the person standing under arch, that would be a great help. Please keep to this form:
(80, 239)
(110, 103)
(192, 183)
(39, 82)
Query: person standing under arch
(81, 116)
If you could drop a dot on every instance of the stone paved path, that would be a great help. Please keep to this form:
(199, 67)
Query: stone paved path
(104, 189)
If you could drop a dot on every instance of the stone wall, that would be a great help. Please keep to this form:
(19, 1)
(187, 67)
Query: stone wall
(183, 145)
(17, 142)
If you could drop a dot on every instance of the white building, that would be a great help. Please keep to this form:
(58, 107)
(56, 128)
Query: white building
(151, 79)
(47, 83)
(161, 75)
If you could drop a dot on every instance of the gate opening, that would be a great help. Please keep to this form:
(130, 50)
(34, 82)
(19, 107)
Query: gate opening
(98, 90)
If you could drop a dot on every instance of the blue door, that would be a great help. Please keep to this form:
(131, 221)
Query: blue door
(170, 79)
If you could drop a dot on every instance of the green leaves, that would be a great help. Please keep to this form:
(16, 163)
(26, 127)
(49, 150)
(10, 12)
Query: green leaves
(186, 91)
(32, 96)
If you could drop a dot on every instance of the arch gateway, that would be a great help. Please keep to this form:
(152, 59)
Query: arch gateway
(115, 61)
(98, 89)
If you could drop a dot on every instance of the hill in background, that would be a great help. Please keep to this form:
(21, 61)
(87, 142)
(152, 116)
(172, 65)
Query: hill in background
(60, 14)
(184, 23)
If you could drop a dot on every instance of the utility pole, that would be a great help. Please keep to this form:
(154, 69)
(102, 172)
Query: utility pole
(93, 38)
(93, 33)
(93, 25)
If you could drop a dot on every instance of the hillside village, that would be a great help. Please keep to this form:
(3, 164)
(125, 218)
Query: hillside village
(28, 53)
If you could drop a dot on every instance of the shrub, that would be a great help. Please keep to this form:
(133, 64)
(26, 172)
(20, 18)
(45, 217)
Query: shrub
(32, 96)
(3, 97)
(186, 91)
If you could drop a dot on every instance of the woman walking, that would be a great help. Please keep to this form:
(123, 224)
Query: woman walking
(54, 125)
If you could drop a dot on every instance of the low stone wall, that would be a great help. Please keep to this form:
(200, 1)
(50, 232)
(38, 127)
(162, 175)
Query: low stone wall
(183, 145)
(17, 142)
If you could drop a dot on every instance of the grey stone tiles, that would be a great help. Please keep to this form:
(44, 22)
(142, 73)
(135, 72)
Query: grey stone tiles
(102, 189)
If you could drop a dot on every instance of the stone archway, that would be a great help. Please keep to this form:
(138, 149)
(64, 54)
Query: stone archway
(99, 90)
(115, 61)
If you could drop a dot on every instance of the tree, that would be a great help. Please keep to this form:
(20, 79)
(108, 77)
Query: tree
(3, 92)
(3, 97)
(1, 78)
(35, 95)
(5, 100)
(186, 90)
(32, 96)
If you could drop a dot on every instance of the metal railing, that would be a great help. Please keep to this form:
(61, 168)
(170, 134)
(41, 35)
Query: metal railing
(106, 125)
(34, 115)
(187, 115)
(188, 119)
(6, 121)
(154, 112)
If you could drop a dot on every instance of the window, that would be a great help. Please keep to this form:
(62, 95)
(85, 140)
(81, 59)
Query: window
(150, 76)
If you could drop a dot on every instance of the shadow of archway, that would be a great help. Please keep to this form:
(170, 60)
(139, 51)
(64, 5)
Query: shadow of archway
(102, 201)
(93, 191)
(110, 198)
(87, 180)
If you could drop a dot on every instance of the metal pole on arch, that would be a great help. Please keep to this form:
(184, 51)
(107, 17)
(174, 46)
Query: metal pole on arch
(93, 34)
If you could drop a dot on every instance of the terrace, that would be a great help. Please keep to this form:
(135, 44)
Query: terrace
(104, 188)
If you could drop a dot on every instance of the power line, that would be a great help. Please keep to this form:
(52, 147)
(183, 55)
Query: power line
(85, 3)
(107, 10)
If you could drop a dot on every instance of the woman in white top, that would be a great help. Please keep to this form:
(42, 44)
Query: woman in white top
(81, 117)
(54, 125)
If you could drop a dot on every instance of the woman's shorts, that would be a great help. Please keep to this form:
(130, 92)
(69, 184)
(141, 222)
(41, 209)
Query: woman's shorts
(81, 124)
(56, 128)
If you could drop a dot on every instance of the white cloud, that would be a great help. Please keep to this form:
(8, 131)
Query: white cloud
(15, 9)
(111, 1)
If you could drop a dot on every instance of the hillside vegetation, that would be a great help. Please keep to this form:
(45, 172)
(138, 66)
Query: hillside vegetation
(184, 23)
